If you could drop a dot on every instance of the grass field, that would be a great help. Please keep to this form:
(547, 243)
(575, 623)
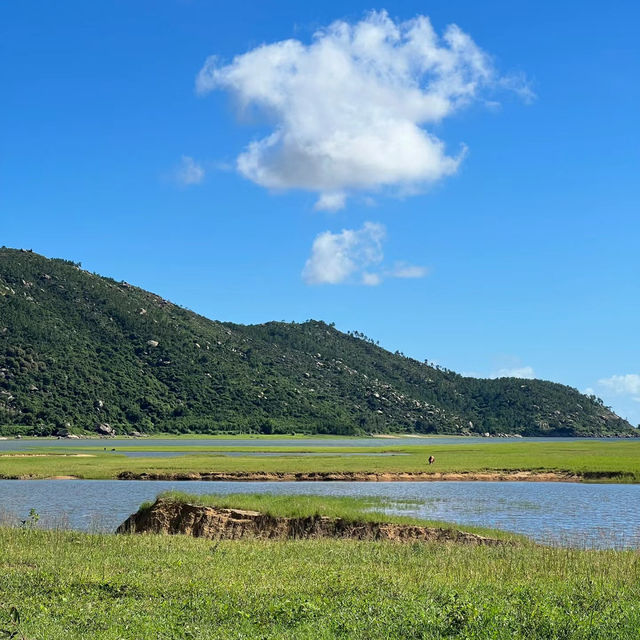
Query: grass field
(616, 461)
(72, 586)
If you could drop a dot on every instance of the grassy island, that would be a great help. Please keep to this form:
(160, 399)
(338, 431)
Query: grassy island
(265, 515)
(580, 460)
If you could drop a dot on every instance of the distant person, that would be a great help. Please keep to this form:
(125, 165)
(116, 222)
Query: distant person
(431, 459)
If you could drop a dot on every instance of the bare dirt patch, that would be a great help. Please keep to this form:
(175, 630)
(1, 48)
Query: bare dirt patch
(47, 455)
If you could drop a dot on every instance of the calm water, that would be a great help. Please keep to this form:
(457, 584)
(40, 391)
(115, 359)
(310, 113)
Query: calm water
(582, 515)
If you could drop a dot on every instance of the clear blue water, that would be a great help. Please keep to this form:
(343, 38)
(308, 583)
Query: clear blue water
(579, 515)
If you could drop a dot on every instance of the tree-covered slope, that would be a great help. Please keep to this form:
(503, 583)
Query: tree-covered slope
(77, 350)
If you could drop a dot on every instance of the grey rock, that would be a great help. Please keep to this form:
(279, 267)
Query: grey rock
(105, 429)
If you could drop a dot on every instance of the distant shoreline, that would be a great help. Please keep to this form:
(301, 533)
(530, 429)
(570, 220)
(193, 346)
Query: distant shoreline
(306, 436)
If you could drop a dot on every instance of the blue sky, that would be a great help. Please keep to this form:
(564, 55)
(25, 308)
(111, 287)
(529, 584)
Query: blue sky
(519, 255)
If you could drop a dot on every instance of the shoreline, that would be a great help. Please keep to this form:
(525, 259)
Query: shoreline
(357, 476)
(330, 476)
(311, 436)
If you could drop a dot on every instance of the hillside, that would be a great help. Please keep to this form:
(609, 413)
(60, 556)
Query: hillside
(78, 350)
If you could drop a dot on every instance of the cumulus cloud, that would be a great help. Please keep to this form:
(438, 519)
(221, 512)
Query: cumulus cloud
(350, 110)
(338, 257)
(189, 172)
(628, 384)
(516, 372)
(355, 256)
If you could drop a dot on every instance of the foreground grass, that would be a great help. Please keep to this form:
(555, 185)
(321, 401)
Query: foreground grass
(617, 461)
(73, 586)
(351, 509)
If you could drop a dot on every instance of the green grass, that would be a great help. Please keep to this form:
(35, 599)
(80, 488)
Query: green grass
(616, 461)
(74, 586)
(298, 506)
(352, 509)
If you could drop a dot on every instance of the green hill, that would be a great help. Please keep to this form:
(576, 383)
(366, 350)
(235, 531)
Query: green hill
(78, 350)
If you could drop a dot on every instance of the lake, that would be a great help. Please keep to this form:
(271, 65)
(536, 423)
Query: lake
(578, 515)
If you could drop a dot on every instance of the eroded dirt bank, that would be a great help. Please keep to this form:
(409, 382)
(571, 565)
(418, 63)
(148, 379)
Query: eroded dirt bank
(172, 517)
(359, 476)
(349, 476)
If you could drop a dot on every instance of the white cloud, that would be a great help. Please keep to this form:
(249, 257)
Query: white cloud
(371, 279)
(404, 270)
(519, 84)
(354, 255)
(333, 201)
(189, 172)
(516, 372)
(337, 257)
(349, 109)
(628, 384)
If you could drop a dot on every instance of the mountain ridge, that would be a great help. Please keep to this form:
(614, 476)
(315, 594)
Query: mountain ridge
(78, 350)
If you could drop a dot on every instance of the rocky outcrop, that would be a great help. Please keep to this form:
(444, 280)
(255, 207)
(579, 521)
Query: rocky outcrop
(173, 517)
(105, 429)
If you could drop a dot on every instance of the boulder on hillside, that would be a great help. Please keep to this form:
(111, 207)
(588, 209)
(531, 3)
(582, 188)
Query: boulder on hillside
(105, 429)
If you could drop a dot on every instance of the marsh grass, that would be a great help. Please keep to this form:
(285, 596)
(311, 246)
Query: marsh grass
(595, 461)
(72, 586)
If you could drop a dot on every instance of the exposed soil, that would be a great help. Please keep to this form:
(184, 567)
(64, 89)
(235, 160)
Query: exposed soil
(357, 476)
(47, 455)
(35, 476)
(172, 517)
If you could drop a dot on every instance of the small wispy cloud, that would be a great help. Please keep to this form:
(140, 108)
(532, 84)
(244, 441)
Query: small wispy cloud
(623, 385)
(515, 372)
(405, 270)
(189, 172)
(371, 279)
(331, 201)
(354, 256)
(355, 110)
(520, 85)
